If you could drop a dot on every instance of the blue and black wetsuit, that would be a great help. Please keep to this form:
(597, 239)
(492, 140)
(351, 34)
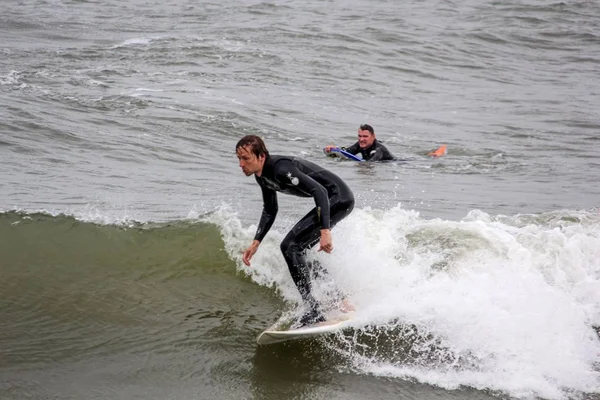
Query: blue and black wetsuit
(333, 201)
(376, 152)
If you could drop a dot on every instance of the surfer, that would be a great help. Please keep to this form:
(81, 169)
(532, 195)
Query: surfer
(290, 175)
(368, 146)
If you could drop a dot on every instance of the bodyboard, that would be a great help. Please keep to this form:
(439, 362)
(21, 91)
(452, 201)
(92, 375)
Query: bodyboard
(273, 335)
(336, 151)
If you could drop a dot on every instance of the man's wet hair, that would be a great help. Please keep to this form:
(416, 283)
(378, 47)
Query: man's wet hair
(254, 144)
(367, 127)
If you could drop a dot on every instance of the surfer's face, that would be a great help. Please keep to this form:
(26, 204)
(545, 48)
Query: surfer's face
(365, 138)
(249, 162)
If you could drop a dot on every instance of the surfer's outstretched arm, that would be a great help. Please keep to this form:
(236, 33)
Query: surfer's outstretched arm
(267, 218)
(269, 212)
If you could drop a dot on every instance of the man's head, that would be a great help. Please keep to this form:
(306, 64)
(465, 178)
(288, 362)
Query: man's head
(252, 153)
(366, 136)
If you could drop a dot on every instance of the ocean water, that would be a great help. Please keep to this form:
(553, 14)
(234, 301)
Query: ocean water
(123, 211)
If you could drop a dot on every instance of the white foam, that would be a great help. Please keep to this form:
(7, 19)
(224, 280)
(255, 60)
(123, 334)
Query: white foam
(509, 302)
(97, 213)
(148, 90)
(13, 78)
(133, 42)
(267, 266)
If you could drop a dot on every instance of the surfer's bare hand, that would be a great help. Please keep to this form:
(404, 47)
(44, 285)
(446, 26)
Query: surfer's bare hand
(328, 148)
(325, 243)
(249, 252)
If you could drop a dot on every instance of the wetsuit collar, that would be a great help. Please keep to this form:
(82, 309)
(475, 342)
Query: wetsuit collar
(267, 166)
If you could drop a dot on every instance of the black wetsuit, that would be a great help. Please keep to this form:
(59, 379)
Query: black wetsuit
(333, 199)
(376, 152)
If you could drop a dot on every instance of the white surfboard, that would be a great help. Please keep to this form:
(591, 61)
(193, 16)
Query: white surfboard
(272, 335)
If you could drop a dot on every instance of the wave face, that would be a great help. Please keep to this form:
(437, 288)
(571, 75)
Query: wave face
(500, 304)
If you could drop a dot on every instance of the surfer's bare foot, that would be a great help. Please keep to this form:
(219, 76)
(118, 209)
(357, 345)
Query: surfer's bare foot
(346, 307)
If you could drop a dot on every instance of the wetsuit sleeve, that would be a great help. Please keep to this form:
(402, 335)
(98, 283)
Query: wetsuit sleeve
(354, 149)
(379, 154)
(269, 212)
(287, 171)
(382, 154)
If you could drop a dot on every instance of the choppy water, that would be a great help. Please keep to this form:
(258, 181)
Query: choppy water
(123, 210)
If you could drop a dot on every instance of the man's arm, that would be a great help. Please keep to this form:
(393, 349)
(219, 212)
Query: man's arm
(378, 156)
(381, 154)
(354, 149)
(266, 221)
(308, 185)
(269, 213)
